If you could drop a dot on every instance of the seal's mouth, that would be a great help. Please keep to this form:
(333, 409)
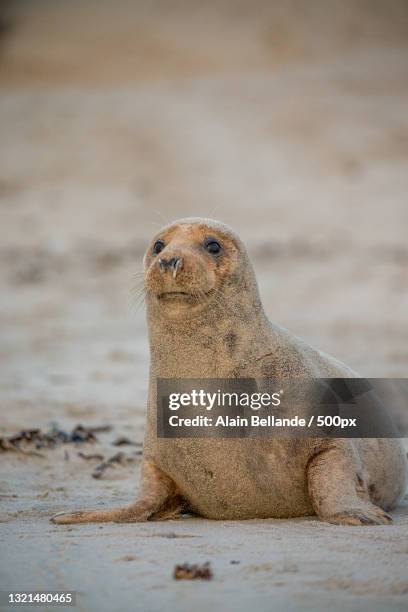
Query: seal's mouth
(175, 295)
(187, 297)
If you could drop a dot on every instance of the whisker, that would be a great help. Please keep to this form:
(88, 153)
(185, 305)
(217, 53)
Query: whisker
(137, 288)
(137, 292)
(140, 274)
(161, 216)
(137, 300)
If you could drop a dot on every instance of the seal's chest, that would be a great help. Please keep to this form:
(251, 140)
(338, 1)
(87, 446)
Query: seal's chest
(231, 479)
(213, 476)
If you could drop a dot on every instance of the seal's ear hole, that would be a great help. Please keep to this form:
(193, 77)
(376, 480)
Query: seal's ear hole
(212, 246)
(158, 247)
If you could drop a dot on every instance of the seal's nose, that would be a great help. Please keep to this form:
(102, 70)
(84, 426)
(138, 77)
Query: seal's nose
(174, 264)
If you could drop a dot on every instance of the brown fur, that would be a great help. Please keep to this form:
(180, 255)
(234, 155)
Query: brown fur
(218, 328)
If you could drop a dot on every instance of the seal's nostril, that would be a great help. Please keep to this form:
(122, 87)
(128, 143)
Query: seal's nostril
(175, 263)
(162, 265)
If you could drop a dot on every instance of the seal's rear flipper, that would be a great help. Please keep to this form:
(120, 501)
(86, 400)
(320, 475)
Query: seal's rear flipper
(337, 490)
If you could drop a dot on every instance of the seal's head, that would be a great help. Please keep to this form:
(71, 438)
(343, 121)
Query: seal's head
(190, 264)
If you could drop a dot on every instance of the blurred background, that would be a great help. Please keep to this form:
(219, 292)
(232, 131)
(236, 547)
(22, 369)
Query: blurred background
(287, 120)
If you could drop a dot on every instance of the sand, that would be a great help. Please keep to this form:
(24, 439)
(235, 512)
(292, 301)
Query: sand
(288, 123)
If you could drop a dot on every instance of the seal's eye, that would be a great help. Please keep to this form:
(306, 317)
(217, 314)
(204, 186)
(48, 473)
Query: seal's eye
(158, 246)
(212, 246)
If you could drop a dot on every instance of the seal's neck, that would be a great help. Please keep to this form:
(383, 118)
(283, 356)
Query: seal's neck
(213, 344)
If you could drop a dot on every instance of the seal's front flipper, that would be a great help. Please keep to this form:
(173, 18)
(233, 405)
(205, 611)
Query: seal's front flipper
(159, 499)
(337, 489)
(137, 512)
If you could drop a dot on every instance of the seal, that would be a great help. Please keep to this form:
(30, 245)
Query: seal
(206, 320)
